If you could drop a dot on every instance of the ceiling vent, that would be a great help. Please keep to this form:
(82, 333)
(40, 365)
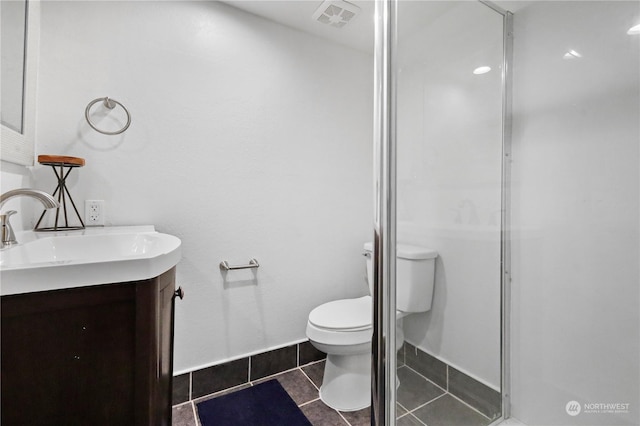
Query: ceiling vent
(335, 13)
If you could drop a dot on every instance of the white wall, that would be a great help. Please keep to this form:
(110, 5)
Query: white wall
(575, 322)
(449, 177)
(248, 139)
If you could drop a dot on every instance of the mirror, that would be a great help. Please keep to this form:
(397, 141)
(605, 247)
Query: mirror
(20, 37)
(14, 24)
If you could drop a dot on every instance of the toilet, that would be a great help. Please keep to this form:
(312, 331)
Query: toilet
(342, 328)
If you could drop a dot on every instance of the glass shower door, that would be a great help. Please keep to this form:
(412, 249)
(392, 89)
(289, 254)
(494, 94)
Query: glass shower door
(442, 147)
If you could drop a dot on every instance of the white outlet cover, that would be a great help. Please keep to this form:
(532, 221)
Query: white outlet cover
(94, 212)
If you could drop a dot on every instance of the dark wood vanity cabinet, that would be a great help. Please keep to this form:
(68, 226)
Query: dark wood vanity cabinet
(98, 355)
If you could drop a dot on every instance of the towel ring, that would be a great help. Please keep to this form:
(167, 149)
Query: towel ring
(111, 104)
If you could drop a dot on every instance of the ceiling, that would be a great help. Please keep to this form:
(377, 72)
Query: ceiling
(359, 32)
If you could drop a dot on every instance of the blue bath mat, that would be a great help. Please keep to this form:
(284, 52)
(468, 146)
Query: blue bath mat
(266, 404)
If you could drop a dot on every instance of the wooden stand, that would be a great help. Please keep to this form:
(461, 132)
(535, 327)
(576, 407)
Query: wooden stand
(61, 162)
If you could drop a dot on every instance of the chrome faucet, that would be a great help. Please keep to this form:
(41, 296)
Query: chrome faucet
(8, 236)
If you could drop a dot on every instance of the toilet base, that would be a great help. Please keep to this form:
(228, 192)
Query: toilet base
(346, 385)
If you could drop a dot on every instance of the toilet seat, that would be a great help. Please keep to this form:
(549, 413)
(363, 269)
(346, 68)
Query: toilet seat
(343, 315)
(341, 322)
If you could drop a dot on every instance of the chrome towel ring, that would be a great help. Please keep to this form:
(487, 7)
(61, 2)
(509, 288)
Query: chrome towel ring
(111, 104)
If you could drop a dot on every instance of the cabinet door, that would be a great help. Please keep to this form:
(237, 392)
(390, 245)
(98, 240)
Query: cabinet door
(98, 355)
(154, 342)
(105, 375)
(67, 357)
(165, 359)
(37, 366)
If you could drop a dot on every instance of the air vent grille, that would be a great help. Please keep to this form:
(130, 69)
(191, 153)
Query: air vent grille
(335, 13)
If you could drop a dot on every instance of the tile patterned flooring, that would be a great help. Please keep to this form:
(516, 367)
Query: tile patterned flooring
(420, 402)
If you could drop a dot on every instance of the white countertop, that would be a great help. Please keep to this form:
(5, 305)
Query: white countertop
(43, 261)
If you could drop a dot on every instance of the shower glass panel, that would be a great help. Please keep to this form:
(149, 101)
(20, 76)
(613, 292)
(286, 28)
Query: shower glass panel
(447, 125)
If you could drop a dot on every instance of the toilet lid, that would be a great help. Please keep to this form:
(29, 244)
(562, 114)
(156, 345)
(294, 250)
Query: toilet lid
(345, 314)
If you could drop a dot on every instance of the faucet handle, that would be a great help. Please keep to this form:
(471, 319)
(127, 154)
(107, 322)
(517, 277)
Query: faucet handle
(4, 217)
(8, 237)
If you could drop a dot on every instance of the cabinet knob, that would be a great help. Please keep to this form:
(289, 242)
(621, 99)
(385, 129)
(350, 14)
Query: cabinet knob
(179, 293)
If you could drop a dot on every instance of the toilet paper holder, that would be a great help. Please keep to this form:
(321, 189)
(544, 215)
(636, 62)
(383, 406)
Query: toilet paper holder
(253, 263)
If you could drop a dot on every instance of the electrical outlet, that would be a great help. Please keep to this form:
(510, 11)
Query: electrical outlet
(94, 212)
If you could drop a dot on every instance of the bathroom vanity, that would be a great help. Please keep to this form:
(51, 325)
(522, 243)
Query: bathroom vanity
(98, 354)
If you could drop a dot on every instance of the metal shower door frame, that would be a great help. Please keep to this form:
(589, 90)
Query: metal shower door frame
(383, 351)
(383, 359)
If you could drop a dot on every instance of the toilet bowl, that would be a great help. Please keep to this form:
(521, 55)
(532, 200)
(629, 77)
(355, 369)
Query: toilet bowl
(343, 329)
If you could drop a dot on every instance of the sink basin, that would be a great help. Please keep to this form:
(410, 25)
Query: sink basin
(66, 259)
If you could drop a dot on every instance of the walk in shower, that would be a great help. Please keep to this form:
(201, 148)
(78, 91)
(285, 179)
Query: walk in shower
(444, 130)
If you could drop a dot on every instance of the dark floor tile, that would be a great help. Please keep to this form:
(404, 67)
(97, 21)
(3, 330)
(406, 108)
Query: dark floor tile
(321, 415)
(308, 353)
(448, 411)
(220, 393)
(425, 364)
(273, 362)
(297, 385)
(219, 377)
(478, 395)
(409, 420)
(358, 418)
(415, 390)
(180, 391)
(315, 372)
(182, 415)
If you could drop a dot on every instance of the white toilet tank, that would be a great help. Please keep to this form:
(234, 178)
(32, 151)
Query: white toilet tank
(415, 276)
